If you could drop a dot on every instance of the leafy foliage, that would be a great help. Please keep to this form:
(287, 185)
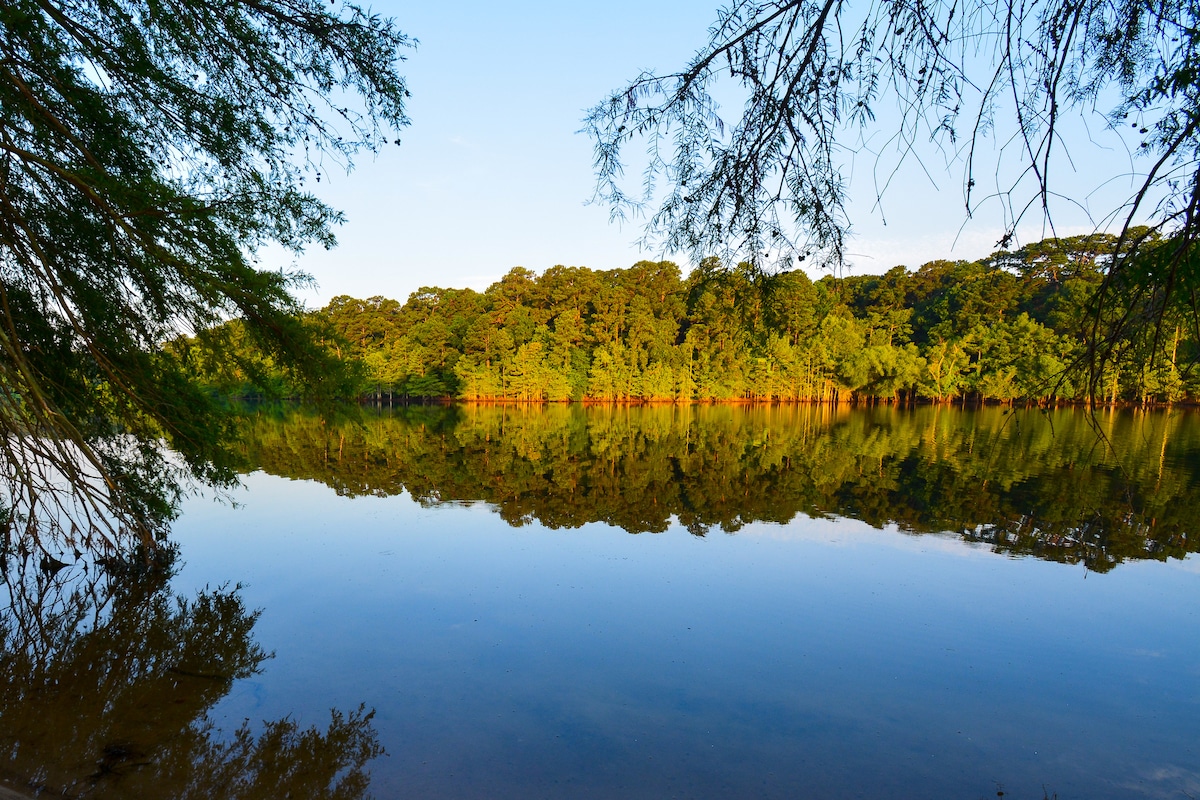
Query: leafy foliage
(1013, 327)
(992, 86)
(147, 151)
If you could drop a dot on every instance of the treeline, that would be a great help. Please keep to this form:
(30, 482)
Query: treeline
(1026, 482)
(1011, 327)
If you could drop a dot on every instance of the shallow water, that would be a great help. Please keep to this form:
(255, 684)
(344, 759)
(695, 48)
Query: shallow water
(810, 656)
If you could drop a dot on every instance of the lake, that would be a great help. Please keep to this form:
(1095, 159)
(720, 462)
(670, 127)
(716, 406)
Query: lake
(644, 602)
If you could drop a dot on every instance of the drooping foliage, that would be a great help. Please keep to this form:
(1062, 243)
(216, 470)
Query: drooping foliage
(148, 150)
(1020, 99)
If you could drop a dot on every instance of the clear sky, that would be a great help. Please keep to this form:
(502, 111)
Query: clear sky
(493, 173)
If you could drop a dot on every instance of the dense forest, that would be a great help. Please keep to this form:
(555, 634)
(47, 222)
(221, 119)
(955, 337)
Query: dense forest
(1013, 327)
(1027, 482)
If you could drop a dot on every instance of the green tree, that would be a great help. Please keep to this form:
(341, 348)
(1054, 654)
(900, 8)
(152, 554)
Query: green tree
(945, 366)
(147, 152)
(1020, 360)
(839, 341)
(883, 306)
(716, 339)
(992, 87)
(791, 305)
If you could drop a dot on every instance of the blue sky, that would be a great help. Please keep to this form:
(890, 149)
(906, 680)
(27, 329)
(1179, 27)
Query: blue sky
(493, 173)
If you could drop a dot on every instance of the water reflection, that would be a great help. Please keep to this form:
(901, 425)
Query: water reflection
(106, 681)
(1027, 482)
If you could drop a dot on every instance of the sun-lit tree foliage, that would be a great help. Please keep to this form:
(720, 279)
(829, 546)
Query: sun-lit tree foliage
(1018, 99)
(1011, 328)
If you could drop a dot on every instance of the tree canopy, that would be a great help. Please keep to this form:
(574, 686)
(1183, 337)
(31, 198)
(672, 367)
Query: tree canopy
(932, 77)
(148, 150)
(1008, 328)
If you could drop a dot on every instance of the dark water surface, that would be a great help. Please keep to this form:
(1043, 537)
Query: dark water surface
(821, 604)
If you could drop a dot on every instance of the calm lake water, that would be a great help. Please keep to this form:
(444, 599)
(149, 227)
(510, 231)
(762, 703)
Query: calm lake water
(697, 602)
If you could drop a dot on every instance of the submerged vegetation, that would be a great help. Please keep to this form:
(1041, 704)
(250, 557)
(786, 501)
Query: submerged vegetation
(1024, 482)
(1012, 327)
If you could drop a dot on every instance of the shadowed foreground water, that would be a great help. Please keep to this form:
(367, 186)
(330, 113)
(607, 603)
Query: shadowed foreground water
(536, 653)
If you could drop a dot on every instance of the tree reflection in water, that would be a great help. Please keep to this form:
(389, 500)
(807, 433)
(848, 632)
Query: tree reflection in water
(107, 680)
(1026, 482)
